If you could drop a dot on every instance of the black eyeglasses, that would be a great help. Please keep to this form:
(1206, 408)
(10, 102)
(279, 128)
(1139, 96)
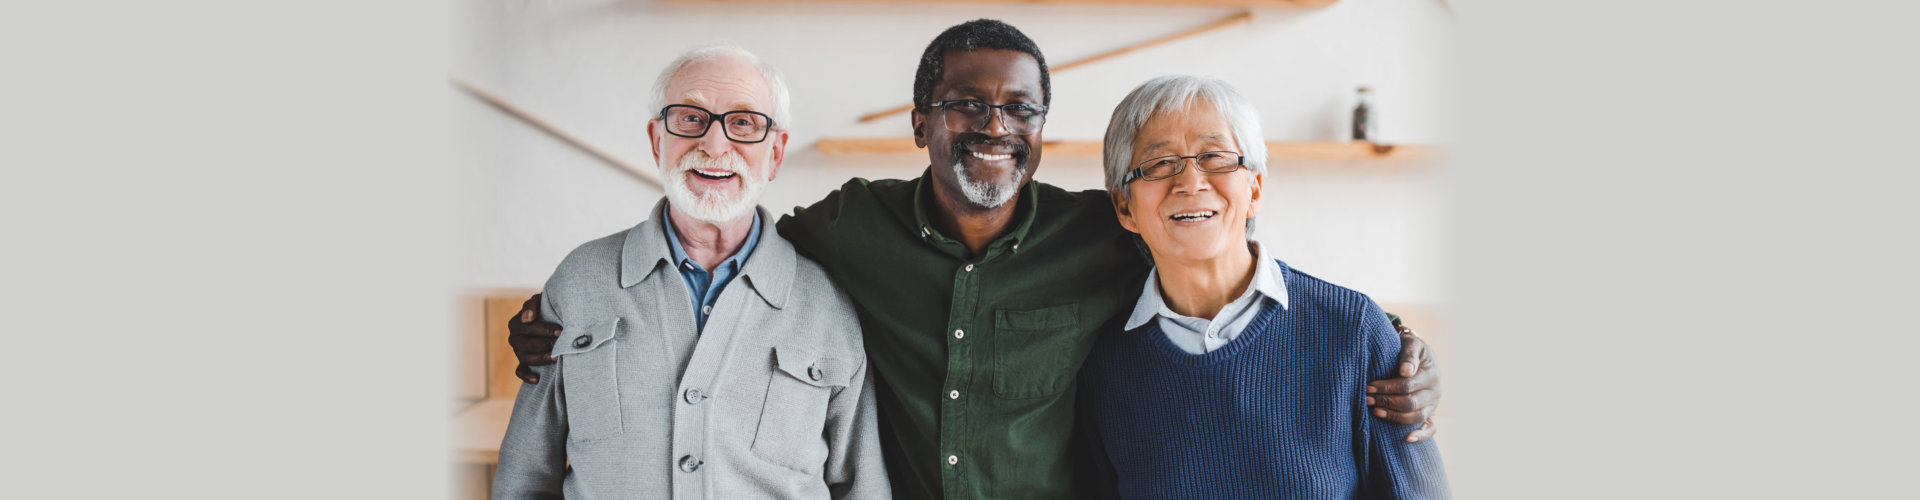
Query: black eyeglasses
(746, 127)
(1216, 162)
(969, 115)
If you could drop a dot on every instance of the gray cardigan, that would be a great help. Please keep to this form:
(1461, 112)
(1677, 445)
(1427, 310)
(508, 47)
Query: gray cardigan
(772, 400)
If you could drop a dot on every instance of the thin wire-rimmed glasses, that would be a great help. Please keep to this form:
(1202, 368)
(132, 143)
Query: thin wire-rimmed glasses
(972, 116)
(1216, 162)
(745, 127)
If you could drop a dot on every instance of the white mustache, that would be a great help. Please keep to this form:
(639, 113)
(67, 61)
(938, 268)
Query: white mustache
(696, 160)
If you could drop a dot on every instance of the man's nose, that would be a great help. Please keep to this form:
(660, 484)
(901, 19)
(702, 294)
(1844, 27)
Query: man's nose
(715, 142)
(996, 125)
(1190, 179)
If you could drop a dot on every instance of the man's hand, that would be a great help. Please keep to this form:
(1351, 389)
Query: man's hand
(532, 340)
(1409, 399)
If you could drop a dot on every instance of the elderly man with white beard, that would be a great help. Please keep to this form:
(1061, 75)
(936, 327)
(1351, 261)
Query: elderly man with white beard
(775, 401)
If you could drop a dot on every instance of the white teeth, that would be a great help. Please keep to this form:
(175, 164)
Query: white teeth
(989, 157)
(1199, 215)
(713, 174)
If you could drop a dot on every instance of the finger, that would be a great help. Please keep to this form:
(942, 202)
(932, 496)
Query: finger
(526, 374)
(1404, 402)
(1399, 417)
(1412, 352)
(1427, 379)
(541, 330)
(1423, 433)
(536, 356)
(530, 310)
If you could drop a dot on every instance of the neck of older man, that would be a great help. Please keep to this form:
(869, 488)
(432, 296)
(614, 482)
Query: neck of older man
(1200, 289)
(975, 226)
(708, 243)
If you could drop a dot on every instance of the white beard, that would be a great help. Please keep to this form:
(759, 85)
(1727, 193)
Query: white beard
(989, 194)
(713, 206)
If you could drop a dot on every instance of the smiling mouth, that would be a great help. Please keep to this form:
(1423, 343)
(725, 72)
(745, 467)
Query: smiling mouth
(717, 175)
(989, 157)
(1197, 215)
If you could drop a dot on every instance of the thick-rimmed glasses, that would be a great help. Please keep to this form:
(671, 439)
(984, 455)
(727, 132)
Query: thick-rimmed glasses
(1216, 162)
(1020, 118)
(739, 126)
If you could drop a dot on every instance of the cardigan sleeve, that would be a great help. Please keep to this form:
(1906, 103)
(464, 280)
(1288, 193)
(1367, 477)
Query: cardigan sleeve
(1394, 468)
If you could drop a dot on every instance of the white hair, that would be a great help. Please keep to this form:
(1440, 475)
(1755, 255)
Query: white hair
(781, 114)
(1173, 93)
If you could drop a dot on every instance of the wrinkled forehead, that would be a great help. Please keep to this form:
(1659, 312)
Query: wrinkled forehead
(1194, 122)
(980, 71)
(721, 84)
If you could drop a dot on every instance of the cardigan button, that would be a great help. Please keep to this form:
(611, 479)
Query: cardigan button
(689, 464)
(814, 372)
(583, 341)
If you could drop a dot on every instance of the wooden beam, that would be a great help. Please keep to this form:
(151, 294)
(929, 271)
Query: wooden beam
(1308, 150)
(644, 174)
(1241, 17)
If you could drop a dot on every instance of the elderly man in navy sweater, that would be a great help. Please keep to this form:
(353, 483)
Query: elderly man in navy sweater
(1236, 376)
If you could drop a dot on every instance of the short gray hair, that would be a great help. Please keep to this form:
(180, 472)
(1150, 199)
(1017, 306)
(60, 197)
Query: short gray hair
(1174, 93)
(781, 114)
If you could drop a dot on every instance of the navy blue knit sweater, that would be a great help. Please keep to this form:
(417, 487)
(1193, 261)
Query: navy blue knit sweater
(1278, 412)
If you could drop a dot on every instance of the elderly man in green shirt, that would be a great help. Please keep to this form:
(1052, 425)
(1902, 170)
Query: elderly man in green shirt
(980, 291)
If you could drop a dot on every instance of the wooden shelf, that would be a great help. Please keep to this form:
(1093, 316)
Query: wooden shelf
(1311, 150)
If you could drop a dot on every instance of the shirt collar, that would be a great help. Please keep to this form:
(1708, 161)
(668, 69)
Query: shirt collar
(1268, 281)
(769, 273)
(738, 259)
(1027, 205)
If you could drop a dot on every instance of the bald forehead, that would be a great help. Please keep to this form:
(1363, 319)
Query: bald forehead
(721, 84)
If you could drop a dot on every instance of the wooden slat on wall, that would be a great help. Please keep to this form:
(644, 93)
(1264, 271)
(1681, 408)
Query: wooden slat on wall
(500, 361)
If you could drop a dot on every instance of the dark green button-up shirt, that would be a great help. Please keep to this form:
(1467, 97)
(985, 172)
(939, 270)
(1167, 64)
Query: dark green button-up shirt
(976, 356)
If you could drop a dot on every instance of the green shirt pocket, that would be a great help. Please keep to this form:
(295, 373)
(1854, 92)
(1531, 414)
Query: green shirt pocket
(1034, 351)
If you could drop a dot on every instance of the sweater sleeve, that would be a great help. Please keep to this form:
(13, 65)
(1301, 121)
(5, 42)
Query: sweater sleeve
(1394, 468)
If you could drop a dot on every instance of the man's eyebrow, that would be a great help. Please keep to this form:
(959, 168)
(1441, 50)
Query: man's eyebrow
(1156, 145)
(965, 89)
(695, 98)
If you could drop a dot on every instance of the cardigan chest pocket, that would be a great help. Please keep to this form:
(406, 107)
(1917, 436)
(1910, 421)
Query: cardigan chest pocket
(587, 366)
(1034, 351)
(793, 419)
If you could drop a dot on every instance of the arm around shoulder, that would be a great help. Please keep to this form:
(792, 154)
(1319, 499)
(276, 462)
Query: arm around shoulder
(1395, 468)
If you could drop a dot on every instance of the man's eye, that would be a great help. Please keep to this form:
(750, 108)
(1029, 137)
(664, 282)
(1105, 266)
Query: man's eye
(691, 118)
(1021, 110)
(742, 122)
(1165, 163)
(969, 106)
(1210, 156)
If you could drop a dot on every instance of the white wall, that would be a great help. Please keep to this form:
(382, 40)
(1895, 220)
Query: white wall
(525, 199)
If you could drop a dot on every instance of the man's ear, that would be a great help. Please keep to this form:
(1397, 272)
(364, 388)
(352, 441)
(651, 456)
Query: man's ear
(1121, 210)
(919, 129)
(653, 137)
(1258, 183)
(778, 154)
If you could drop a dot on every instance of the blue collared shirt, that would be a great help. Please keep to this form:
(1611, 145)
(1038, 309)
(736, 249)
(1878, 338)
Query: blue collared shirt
(703, 286)
(1203, 335)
